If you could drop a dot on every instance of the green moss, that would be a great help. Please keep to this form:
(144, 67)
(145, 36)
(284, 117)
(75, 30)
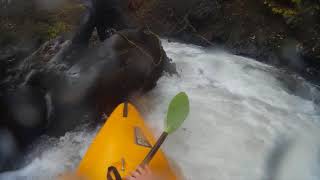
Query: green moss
(61, 20)
(39, 24)
(296, 1)
(287, 9)
(292, 10)
(56, 29)
(285, 12)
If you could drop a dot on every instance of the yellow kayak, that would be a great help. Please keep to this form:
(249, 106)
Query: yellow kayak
(123, 142)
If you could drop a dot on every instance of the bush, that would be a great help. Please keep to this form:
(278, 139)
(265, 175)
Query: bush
(27, 20)
(293, 10)
(289, 8)
(57, 29)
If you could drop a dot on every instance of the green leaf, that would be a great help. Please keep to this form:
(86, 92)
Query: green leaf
(177, 112)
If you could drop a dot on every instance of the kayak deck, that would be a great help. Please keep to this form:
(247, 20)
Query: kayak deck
(123, 142)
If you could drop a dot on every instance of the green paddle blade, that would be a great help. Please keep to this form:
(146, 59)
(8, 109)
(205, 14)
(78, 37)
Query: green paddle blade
(177, 112)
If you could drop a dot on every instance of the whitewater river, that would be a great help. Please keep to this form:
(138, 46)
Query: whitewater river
(248, 121)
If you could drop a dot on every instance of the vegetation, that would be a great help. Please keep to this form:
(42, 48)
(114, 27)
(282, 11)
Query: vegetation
(293, 10)
(20, 20)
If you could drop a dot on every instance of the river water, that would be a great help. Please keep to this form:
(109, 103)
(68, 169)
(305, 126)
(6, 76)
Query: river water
(248, 121)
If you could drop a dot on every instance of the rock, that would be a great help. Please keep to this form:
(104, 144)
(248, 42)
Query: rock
(50, 84)
(60, 86)
(25, 26)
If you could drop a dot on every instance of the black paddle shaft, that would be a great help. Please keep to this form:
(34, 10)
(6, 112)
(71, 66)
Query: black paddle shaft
(154, 149)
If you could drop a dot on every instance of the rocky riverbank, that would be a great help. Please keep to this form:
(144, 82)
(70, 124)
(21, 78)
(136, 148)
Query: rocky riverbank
(26, 25)
(281, 33)
(52, 89)
(285, 33)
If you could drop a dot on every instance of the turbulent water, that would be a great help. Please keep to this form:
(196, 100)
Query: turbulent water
(248, 121)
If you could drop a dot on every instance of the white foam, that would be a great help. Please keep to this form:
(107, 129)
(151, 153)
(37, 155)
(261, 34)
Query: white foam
(239, 113)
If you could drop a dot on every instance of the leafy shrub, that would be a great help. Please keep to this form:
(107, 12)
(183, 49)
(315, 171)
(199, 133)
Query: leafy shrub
(292, 10)
(291, 7)
(57, 29)
(28, 20)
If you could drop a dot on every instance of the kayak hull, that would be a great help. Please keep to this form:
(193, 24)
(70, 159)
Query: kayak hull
(123, 142)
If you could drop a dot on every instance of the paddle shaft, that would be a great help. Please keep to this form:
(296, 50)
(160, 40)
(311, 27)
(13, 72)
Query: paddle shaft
(154, 149)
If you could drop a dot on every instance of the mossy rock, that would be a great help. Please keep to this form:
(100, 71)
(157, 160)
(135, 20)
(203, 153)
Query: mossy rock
(43, 24)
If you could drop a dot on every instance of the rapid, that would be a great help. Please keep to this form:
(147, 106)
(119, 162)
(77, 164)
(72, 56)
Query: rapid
(248, 121)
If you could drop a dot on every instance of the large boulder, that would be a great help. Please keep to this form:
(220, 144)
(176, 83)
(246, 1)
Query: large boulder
(61, 85)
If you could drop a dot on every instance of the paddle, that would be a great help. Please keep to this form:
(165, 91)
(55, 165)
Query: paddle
(177, 112)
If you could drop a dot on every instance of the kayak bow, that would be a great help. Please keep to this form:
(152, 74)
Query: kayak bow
(123, 142)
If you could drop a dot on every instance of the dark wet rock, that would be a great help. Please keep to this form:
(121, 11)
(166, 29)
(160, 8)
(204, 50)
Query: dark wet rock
(61, 85)
(26, 25)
